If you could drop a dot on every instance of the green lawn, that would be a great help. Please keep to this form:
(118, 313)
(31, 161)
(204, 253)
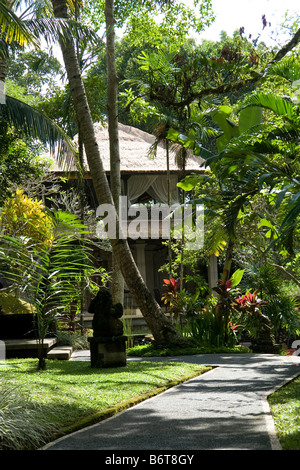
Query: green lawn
(71, 395)
(285, 406)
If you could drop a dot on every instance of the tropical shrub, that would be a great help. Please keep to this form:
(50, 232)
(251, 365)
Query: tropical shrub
(282, 304)
(171, 297)
(26, 217)
(208, 329)
(46, 275)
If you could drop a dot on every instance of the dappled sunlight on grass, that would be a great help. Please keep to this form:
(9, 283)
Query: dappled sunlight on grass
(72, 390)
(285, 406)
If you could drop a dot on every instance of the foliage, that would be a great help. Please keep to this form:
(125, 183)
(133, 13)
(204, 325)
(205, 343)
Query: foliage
(281, 304)
(183, 303)
(16, 32)
(226, 295)
(33, 71)
(198, 74)
(13, 29)
(253, 185)
(26, 217)
(31, 123)
(19, 161)
(139, 19)
(170, 295)
(250, 302)
(209, 330)
(219, 321)
(45, 274)
(209, 322)
(152, 350)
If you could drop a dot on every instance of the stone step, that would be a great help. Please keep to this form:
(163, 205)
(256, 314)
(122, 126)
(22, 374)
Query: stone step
(21, 348)
(60, 352)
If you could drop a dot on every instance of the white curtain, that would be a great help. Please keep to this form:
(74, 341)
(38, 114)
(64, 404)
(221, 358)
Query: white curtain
(155, 185)
(138, 185)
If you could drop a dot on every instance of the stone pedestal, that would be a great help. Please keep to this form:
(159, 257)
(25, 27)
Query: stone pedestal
(108, 351)
(266, 348)
(265, 341)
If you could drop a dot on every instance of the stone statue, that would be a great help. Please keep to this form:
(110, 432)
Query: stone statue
(265, 340)
(106, 322)
(108, 345)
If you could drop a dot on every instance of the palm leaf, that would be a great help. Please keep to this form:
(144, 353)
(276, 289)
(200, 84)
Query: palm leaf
(12, 28)
(34, 124)
(55, 29)
(231, 212)
(46, 274)
(287, 68)
(280, 105)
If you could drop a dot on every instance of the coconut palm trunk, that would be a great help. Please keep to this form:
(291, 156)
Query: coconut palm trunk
(2, 80)
(160, 326)
(2, 70)
(113, 131)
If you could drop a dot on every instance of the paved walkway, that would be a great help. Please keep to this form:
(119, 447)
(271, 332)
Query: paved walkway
(224, 409)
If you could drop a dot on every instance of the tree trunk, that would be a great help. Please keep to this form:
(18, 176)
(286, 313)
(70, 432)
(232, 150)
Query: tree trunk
(113, 131)
(2, 80)
(2, 70)
(160, 326)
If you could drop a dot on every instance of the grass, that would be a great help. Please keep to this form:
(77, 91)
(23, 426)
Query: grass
(285, 406)
(70, 395)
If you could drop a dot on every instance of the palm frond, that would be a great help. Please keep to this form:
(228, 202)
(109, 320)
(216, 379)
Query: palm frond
(287, 68)
(281, 105)
(47, 274)
(34, 124)
(13, 29)
(55, 29)
(159, 65)
(231, 212)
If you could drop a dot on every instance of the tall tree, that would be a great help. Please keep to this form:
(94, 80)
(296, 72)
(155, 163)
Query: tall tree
(161, 327)
(15, 33)
(113, 130)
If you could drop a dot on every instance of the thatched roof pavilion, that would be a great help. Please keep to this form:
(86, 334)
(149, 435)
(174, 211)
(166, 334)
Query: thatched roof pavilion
(144, 175)
(143, 170)
(135, 152)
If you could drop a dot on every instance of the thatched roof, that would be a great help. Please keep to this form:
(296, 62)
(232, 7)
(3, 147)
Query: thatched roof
(135, 152)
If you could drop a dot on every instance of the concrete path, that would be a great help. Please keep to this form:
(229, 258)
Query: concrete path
(224, 409)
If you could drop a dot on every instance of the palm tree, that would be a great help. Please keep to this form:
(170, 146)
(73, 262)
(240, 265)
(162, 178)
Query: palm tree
(261, 157)
(269, 155)
(113, 130)
(26, 30)
(160, 326)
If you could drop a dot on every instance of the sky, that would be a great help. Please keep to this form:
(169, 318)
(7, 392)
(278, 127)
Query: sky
(232, 14)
